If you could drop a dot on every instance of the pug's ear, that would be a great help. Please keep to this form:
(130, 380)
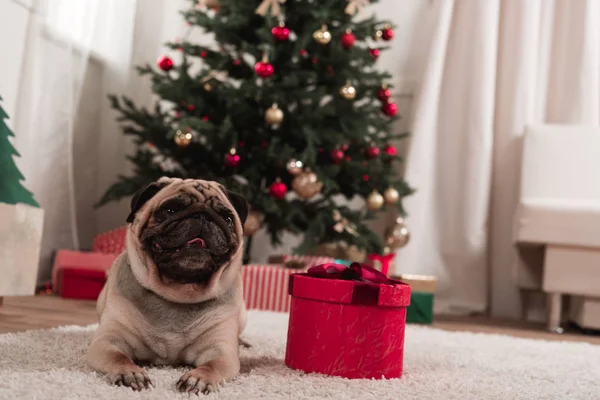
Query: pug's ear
(240, 204)
(142, 196)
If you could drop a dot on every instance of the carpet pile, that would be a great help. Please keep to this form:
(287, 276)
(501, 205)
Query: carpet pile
(48, 364)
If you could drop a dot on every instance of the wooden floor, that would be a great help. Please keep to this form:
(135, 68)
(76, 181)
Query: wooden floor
(39, 312)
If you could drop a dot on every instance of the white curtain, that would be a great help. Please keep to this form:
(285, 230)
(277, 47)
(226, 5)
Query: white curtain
(77, 52)
(494, 67)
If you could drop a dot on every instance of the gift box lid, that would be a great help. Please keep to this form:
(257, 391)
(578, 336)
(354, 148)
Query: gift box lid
(419, 283)
(379, 292)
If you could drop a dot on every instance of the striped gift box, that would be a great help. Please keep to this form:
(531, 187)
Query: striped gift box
(266, 287)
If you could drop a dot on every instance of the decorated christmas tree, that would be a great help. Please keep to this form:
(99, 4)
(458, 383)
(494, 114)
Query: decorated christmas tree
(286, 108)
(11, 189)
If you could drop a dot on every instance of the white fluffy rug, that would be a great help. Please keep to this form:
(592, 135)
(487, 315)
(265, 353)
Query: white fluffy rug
(438, 365)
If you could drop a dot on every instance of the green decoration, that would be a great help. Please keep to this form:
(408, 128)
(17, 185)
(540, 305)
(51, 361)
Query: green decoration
(11, 189)
(420, 310)
(276, 103)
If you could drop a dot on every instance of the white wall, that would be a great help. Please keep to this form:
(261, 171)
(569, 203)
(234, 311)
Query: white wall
(14, 16)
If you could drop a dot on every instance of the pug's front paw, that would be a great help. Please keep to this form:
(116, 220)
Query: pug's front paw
(131, 376)
(202, 379)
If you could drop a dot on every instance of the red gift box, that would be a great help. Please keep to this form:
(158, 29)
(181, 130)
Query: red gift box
(266, 287)
(112, 242)
(80, 275)
(347, 322)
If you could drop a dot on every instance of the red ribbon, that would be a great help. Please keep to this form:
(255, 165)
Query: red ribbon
(356, 272)
(384, 260)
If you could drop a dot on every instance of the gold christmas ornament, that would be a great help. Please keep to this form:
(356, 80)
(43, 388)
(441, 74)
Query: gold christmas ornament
(294, 167)
(208, 87)
(274, 115)
(183, 139)
(348, 91)
(378, 34)
(375, 200)
(307, 184)
(391, 196)
(253, 223)
(398, 235)
(322, 36)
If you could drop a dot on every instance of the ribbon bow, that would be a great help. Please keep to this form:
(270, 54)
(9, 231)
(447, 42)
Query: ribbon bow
(342, 224)
(356, 5)
(384, 260)
(356, 272)
(220, 76)
(275, 6)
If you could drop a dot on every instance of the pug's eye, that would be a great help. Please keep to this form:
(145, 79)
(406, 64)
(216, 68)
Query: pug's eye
(229, 221)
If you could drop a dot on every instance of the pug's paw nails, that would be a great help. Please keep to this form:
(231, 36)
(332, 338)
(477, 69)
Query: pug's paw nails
(134, 377)
(199, 380)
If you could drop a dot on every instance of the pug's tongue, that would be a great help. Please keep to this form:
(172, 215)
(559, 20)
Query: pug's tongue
(196, 241)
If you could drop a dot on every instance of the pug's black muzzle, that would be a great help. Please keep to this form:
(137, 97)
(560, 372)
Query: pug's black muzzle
(190, 245)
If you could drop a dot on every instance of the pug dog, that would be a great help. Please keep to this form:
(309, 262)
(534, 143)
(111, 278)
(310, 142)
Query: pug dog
(174, 296)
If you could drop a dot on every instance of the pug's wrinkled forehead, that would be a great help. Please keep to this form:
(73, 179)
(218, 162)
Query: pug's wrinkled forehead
(210, 193)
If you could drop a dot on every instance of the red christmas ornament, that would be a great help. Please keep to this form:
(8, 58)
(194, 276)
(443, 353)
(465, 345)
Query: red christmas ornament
(374, 53)
(347, 39)
(280, 32)
(337, 155)
(177, 114)
(389, 109)
(165, 63)
(302, 52)
(203, 54)
(232, 160)
(191, 107)
(372, 152)
(387, 33)
(390, 150)
(264, 144)
(315, 60)
(384, 94)
(344, 147)
(205, 118)
(263, 68)
(277, 189)
(179, 48)
(236, 62)
(365, 177)
(348, 158)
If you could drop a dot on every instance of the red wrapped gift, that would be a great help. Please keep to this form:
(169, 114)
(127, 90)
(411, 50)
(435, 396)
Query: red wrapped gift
(266, 287)
(112, 242)
(347, 322)
(80, 275)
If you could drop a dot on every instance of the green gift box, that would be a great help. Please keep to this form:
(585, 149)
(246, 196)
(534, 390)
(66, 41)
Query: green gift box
(423, 288)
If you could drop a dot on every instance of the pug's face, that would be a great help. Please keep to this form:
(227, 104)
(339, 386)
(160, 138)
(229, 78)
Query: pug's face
(190, 229)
